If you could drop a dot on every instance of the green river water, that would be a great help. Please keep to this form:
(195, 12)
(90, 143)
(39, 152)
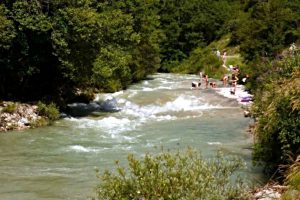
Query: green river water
(59, 161)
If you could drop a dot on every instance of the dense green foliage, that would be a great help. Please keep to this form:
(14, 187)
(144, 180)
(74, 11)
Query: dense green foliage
(277, 107)
(266, 28)
(50, 49)
(49, 111)
(181, 175)
(201, 59)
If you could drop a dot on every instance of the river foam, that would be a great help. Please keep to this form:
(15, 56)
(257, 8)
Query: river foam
(166, 98)
(79, 148)
(239, 95)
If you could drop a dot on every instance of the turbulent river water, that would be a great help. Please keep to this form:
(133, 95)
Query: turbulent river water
(58, 162)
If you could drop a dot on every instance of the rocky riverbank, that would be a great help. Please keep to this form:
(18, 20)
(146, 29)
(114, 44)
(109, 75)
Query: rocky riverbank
(271, 191)
(17, 116)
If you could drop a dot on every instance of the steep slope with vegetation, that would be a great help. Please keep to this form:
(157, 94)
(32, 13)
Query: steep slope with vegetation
(269, 28)
(277, 108)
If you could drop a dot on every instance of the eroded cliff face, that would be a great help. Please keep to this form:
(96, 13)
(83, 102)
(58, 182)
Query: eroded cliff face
(17, 116)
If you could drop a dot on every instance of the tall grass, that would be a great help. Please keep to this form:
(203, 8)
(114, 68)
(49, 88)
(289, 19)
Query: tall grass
(292, 180)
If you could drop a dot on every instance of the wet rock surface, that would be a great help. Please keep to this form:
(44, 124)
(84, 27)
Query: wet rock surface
(85, 109)
(82, 109)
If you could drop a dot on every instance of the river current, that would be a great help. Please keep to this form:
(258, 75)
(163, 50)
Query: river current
(59, 161)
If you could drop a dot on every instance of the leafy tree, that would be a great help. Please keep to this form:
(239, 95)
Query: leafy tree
(265, 31)
(294, 31)
(145, 22)
(29, 55)
(68, 44)
(111, 70)
(77, 39)
(7, 29)
(146, 55)
(7, 34)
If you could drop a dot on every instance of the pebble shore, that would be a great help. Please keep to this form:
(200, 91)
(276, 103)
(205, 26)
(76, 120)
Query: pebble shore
(20, 118)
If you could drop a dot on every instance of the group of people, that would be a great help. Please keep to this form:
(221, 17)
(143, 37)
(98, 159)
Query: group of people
(231, 79)
(228, 79)
(203, 79)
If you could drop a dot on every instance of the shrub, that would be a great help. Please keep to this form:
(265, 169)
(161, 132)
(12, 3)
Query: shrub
(235, 60)
(292, 180)
(49, 111)
(10, 108)
(277, 107)
(39, 122)
(201, 60)
(180, 175)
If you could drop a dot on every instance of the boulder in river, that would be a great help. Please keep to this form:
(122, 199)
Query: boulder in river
(109, 105)
(82, 109)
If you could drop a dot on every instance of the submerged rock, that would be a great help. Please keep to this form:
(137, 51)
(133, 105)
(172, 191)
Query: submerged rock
(109, 105)
(63, 115)
(82, 109)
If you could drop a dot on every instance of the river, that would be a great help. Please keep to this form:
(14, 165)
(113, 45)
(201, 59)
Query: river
(59, 161)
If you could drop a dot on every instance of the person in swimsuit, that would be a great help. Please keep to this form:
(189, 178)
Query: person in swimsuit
(225, 80)
(201, 76)
(206, 80)
(234, 80)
